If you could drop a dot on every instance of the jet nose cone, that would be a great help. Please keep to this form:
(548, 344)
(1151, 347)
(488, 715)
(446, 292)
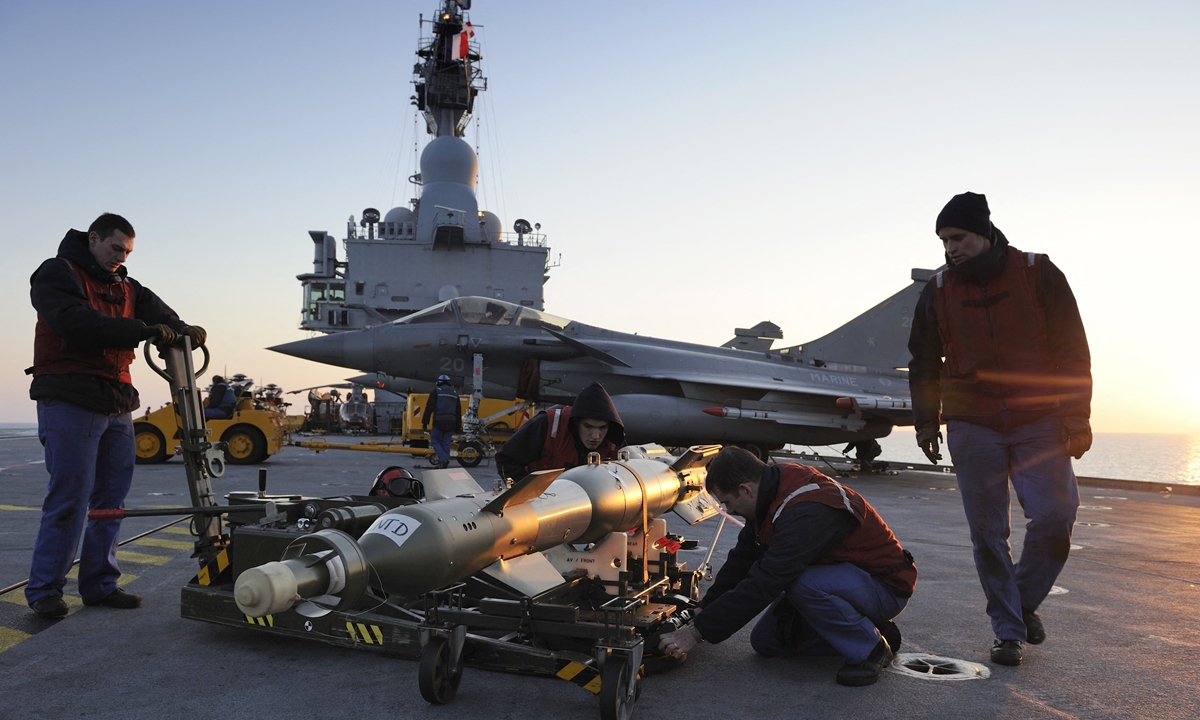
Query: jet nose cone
(328, 349)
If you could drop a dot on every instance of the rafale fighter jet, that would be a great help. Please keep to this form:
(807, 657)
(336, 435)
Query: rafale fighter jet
(847, 386)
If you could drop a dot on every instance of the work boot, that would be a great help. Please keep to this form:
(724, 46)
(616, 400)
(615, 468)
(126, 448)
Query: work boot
(1008, 652)
(891, 635)
(50, 607)
(1035, 632)
(118, 599)
(867, 671)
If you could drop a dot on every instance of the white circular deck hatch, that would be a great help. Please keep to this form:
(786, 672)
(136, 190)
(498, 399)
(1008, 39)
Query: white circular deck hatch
(934, 667)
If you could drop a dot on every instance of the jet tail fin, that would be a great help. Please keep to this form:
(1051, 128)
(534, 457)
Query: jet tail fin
(878, 338)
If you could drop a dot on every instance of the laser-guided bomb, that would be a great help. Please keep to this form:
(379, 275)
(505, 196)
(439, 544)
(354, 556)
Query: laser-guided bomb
(461, 530)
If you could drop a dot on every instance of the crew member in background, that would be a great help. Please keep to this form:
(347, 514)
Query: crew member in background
(444, 407)
(813, 550)
(91, 317)
(563, 437)
(221, 400)
(1000, 355)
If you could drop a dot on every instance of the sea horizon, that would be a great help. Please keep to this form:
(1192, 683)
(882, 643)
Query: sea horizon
(1171, 458)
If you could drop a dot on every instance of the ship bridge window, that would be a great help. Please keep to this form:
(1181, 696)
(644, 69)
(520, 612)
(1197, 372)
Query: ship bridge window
(337, 292)
(482, 311)
(531, 318)
(441, 313)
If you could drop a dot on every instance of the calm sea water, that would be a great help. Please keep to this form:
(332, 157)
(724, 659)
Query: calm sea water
(1172, 459)
(1120, 456)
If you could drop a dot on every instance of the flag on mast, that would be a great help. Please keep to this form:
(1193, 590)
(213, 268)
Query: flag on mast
(459, 44)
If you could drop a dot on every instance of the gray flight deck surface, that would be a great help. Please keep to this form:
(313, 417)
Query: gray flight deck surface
(1123, 641)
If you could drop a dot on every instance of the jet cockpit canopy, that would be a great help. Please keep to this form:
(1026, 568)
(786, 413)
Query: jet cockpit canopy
(473, 310)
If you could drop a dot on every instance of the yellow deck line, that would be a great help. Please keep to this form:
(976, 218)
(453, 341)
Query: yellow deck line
(177, 530)
(17, 597)
(164, 543)
(143, 558)
(125, 578)
(16, 507)
(9, 637)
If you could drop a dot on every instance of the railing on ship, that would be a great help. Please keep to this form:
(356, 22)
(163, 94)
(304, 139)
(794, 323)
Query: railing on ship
(407, 231)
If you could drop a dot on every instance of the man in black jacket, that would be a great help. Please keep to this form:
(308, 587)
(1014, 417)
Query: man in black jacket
(563, 437)
(91, 317)
(999, 354)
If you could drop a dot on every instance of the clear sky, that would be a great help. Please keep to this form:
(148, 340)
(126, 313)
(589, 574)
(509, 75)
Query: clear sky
(700, 166)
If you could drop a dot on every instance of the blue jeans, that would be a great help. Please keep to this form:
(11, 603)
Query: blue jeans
(837, 609)
(1035, 459)
(90, 460)
(440, 440)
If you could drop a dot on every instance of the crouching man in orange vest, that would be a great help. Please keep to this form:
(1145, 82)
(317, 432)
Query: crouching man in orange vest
(815, 552)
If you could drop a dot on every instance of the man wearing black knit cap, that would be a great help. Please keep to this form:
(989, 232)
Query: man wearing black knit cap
(1000, 355)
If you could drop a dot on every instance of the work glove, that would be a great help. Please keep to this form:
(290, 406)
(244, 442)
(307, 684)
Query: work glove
(928, 438)
(197, 334)
(1077, 436)
(161, 334)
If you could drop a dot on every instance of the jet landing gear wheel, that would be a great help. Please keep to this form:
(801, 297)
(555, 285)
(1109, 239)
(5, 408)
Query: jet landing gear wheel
(758, 451)
(149, 443)
(470, 454)
(617, 694)
(438, 684)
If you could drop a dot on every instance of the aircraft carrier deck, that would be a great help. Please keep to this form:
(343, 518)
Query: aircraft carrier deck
(1124, 632)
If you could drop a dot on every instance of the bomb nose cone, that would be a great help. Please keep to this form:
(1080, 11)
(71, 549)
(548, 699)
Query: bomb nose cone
(328, 349)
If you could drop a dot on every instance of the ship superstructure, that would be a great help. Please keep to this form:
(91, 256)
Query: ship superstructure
(443, 245)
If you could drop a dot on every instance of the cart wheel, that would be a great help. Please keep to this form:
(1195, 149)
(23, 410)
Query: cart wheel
(470, 454)
(616, 697)
(245, 445)
(438, 684)
(149, 443)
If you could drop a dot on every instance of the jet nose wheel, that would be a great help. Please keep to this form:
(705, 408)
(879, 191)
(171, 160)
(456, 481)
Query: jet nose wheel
(438, 682)
(619, 689)
(470, 454)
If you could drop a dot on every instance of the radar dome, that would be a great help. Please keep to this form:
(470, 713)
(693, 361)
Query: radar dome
(490, 226)
(448, 159)
(399, 214)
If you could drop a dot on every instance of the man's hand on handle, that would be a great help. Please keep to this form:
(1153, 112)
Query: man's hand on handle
(160, 334)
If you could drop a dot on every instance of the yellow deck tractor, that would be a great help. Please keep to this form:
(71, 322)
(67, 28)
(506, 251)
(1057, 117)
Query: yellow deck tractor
(251, 435)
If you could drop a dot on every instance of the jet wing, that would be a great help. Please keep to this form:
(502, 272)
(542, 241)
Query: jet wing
(588, 350)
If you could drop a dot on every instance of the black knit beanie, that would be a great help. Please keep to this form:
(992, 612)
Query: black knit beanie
(968, 211)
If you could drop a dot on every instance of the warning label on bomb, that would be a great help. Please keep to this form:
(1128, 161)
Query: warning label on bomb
(397, 528)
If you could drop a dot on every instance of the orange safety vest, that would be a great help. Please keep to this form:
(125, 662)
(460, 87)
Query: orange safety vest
(995, 341)
(871, 546)
(51, 355)
(559, 449)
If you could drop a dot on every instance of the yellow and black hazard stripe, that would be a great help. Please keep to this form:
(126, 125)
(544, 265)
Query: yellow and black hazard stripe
(584, 676)
(361, 632)
(213, 568)
(265, 621)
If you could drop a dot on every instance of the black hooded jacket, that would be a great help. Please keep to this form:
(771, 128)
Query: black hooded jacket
(60, 303)
(526, 445)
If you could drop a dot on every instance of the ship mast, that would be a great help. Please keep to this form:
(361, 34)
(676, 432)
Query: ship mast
(447, 78)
